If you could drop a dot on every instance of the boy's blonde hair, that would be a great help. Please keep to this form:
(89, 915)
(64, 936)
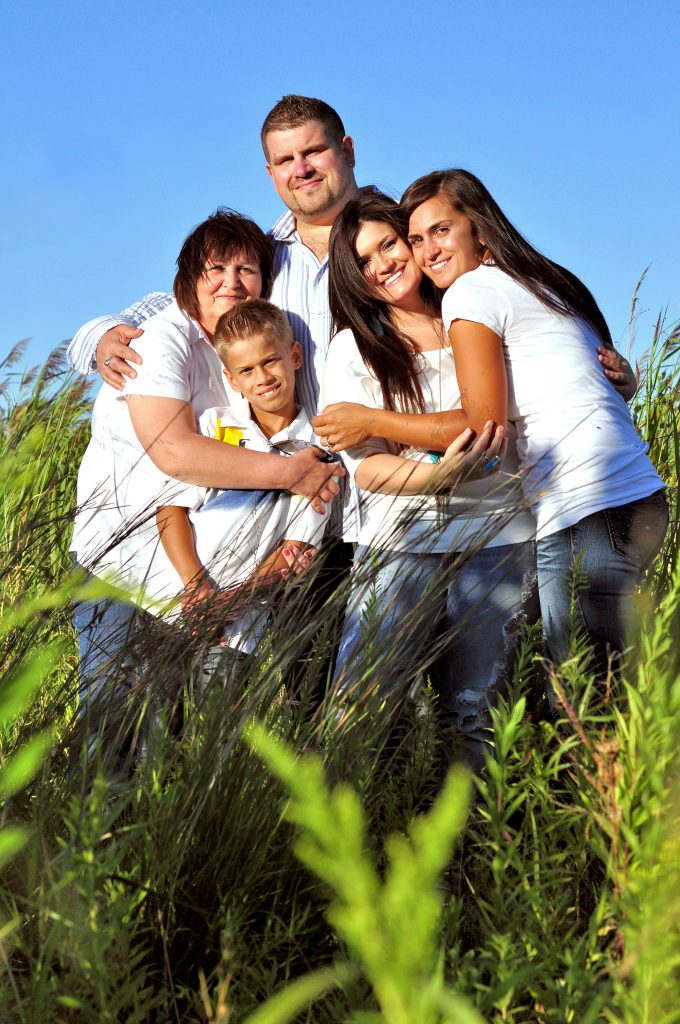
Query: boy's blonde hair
(252, 319)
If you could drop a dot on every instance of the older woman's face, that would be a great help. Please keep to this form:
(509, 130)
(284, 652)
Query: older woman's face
(443, 242)
(225, 283)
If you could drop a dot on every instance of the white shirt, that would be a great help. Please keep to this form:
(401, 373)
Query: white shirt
(300, 289)
(578, 448)
(119, 487)
(484, 512)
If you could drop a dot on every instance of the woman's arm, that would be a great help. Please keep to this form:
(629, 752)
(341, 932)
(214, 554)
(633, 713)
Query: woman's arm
(481, 373)
(479, 361)
(166, 429)
(392, 474)
(348, 425)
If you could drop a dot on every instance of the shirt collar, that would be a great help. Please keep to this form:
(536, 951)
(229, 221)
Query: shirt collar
(176, 315)
(284, 229)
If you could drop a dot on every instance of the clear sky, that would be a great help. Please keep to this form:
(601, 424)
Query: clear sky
(126, 123)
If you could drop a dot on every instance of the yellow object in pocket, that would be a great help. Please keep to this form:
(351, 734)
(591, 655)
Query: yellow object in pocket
(229, 434)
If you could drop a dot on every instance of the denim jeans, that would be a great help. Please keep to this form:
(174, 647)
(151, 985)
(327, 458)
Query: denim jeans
(111, 635)
(104, 629)
(458, 617)
(600, 560)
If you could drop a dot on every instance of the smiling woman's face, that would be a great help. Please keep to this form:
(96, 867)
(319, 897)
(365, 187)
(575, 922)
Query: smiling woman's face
(225, 283)
(386, 261)
(443, 241)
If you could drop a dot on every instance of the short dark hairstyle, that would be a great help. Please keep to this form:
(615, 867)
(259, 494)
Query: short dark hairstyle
(251, 319)
(223, 235)
(291, 111)
(553, 285)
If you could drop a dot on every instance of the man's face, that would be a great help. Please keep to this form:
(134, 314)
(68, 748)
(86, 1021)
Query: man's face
(313, 175)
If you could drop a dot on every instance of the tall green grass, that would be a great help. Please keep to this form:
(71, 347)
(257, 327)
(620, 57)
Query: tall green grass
(313, 880)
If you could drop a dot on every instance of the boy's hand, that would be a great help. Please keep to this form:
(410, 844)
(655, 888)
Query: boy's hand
(115, 357)
(344, 425)
(310, 477)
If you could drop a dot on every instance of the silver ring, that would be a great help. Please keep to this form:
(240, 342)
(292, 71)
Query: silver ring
(490, 464)
(107, 361)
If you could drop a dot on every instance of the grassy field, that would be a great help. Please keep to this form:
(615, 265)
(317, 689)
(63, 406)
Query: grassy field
(257, 863)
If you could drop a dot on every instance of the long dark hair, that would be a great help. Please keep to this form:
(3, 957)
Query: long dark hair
(389, 354)
(553, 285)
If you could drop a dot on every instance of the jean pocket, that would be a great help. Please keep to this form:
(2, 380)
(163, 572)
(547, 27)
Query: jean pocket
(636, 530)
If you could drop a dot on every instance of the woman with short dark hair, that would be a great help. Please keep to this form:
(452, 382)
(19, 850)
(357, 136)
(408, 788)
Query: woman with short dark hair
(145, 442)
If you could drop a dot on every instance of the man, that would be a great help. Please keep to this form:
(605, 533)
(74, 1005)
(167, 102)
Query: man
(311, 162)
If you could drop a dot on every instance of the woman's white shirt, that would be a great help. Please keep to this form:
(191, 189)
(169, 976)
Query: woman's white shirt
(119, 486)
(483, 512)
(578, 449)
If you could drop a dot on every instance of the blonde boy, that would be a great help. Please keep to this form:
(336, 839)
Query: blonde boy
(245, 539)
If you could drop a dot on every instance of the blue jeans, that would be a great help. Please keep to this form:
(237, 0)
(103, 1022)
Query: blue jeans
(108, 632)
(608, 551)
(458, 617)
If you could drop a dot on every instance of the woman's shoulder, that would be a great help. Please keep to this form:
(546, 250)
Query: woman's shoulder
(343, 339)
(482, 294)
(170, 327)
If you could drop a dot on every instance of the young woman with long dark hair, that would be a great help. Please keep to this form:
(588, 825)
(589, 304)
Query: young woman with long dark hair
(526, 334)
(440, 579)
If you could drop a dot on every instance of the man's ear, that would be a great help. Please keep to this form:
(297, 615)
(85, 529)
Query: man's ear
(268, 166)
(296, 352)
(232, 383)
(347, 147)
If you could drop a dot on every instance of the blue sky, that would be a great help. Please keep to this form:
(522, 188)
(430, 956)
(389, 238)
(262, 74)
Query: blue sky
(127, 123)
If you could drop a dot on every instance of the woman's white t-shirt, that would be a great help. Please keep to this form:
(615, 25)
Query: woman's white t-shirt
(578, 448)
(482, 512)
(119, 487)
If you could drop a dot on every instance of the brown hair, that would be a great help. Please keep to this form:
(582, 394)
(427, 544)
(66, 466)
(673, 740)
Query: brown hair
(251, 319)
(223, 235)
(555, 286)
(389, 354)
(292, 111)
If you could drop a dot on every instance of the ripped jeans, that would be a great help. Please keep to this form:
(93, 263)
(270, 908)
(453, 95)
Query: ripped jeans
(455, 617)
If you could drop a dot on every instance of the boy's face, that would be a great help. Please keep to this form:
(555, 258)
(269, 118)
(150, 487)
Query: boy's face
(262, 369)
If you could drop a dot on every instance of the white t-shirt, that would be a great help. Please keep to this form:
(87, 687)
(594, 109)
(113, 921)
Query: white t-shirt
(488, 512)
(578, 449)
(120, 488)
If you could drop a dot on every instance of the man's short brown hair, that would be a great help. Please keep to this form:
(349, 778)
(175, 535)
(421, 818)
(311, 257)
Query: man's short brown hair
(292, 111)
(251, 319)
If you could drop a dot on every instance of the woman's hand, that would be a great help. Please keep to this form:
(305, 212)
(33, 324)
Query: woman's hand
(299, 557)
(344, 425)
(618, 372)
(465, 461)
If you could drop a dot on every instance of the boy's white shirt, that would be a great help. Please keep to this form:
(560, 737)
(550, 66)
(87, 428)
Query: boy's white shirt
(232, 535)
(231, 541)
